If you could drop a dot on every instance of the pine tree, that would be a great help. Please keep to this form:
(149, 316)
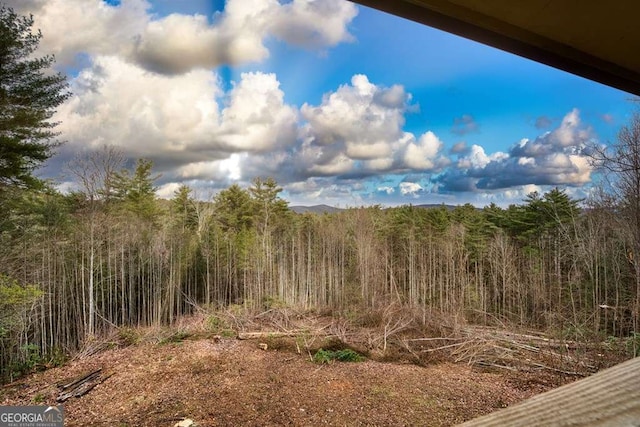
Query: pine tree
(183, 208)
(136, 191)
(29, 94)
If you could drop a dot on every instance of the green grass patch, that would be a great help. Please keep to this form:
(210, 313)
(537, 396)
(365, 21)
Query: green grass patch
(345, 355)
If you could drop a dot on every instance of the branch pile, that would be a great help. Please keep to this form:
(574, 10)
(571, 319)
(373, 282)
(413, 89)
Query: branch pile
(495, 348)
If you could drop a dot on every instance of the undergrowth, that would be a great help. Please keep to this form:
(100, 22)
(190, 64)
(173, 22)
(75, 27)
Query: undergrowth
(323, 356)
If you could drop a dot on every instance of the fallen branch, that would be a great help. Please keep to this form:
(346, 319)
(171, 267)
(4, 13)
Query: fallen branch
(275, 334)
(443, 347)
(81, 385)
(82, 378)
(493, 347)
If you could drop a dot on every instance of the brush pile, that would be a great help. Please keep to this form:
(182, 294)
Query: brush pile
(491, 347)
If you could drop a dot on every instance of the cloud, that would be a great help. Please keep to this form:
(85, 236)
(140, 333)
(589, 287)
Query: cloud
(459, 148)
(117, 103)
(257, 119)
(555, 158)
(424, 154)
(410, 189)
(75, 28)
(358, 125)
(607, 118)
(543, 122)
(477, 158)
(177, 43)
(314, 24)
(464, 125)
(324, 190)
(227, 169)
(362, 116)
(357, 132)
(569, 137)
(24, 7)
(177, 121)
(167, 191)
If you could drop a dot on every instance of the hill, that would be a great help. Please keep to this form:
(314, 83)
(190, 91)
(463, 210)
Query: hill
(318, 209)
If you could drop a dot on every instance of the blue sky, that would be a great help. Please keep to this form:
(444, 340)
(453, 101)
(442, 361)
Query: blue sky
(342, 104)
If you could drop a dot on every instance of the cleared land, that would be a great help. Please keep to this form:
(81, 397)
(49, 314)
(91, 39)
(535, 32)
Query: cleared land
(158, 377)
(231, 382)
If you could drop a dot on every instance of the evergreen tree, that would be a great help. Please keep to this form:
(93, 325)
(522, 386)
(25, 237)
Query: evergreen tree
(136, 191)
(183, 208)
(234, 209)
(29, 94)
(269, 208)
(544, 214)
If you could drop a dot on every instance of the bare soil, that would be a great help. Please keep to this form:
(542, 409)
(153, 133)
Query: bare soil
(228, 382)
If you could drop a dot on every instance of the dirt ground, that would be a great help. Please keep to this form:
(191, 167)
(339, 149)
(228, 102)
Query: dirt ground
(228, 382)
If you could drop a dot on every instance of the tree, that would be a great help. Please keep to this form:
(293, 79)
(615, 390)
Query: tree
(29, 94)
(234, 209)
(622, 162)
(15, 301)
(136, 191)
(183, 208)
(95, 173)
(268, 206)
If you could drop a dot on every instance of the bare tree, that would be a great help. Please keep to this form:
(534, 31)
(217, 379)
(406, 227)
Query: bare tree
(621, 161)
(95, 172)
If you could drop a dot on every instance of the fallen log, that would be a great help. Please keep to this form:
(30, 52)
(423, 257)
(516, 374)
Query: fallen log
(81, 385)
(82, 378)
(272, 334)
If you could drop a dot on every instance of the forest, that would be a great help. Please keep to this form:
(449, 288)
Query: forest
(75, 266)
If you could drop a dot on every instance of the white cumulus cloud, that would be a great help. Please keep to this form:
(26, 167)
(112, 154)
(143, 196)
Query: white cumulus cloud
(424, 154)
(177, 121)
(314, 23)
(554, 158)
(410, 188)
(359, 129)
(178, 43)
(257, 119)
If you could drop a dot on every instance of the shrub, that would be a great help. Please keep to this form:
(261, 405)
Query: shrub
(128, 336)
(633, 344)
(28, 362)
(175, 337)
(218, 325)
(345, 355)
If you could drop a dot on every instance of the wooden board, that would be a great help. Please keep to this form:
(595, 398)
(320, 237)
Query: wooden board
(608, 398)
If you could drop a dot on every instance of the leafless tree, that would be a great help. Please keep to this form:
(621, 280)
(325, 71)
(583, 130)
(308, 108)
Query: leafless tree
(621, 162)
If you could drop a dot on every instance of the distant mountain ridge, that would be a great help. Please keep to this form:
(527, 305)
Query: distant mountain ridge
(437, 205)
(320, 209)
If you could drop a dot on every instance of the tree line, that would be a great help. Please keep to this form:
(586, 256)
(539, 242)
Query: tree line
(75, 266)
